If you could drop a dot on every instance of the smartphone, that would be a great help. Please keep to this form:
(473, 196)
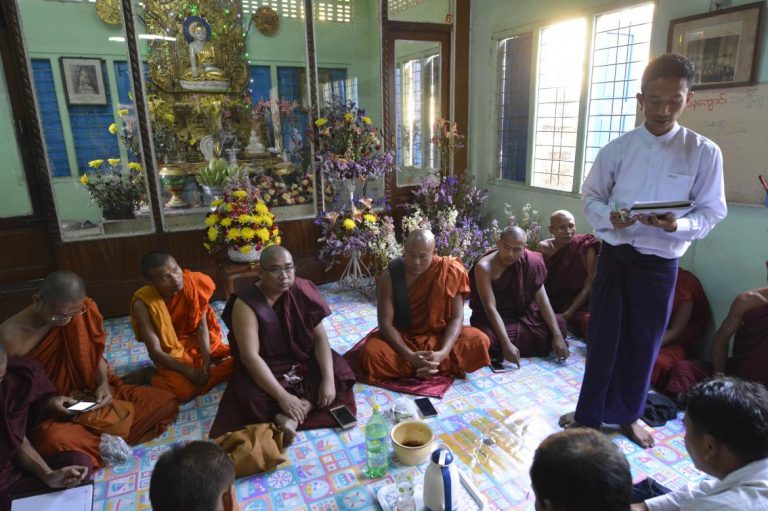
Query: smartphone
(497, 366)
(425, 406)
(81, 406)
(343, 416)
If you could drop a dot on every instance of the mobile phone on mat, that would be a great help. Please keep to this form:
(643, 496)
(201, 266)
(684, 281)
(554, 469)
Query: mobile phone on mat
(343, 416)
(497, 366)
(425, 406)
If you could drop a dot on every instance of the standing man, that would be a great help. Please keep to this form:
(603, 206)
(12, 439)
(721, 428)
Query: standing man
(637, 266)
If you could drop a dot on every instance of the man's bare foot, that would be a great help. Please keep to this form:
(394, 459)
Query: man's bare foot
(638, 434)
(567, 421)
(288, 426)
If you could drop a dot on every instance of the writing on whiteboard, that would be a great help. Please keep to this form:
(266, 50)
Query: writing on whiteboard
(750, 98)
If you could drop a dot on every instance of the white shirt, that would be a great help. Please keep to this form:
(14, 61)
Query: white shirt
(741, 490)
(641, 167)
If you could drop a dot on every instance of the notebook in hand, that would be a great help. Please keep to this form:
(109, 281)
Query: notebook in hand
(679, 208)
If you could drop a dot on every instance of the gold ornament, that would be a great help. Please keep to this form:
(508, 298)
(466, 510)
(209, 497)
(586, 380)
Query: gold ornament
(266, 20)
(109, 11)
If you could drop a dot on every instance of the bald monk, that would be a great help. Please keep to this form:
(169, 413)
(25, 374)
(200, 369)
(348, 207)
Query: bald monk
(421, 328)
(285, 369)
(26, 396)
(689, 320)
(173, 318)
(509, 301)
(571, 260)
(64, 330)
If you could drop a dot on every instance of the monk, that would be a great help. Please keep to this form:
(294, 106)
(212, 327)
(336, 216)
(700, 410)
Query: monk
(64, 330)
(690, 317)
(509, 301)
(420, 311)
(173, 318)
(571, 260)
(25, 396)
(285, 370)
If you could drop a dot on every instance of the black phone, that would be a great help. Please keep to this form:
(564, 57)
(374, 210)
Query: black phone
(343, 416)
(425, 406)
(80, 406)
(497, 366)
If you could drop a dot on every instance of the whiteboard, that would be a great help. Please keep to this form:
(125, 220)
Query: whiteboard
(736, 119)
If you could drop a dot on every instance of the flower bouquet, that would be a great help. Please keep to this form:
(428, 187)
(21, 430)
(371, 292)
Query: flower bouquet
(447, 140)
(242, 224)
(115, 190)
(530, 222)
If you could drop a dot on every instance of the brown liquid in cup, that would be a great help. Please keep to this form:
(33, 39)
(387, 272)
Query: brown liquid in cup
(413, 443)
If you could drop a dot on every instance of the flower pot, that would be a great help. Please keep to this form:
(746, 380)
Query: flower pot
(210, 193)
(118, 214)
(239, 257)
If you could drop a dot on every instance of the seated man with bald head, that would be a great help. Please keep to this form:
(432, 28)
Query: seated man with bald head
(509, 301)
(64, 331)
(571, 260)
(173, 318)
(421, 328)
(285, 370)
(26, 396)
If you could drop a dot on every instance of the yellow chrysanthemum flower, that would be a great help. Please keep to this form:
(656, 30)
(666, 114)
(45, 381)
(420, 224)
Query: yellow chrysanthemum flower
(233, 234)
(226, 207)
(349, 224)
(321, 122)
(277, 240)
(113, 161)
(261, 208)
(211, 220)
(263, 234)
(245, 249)
(349, 117)
(226, 222)
(122, 112)
(95, 164)
(247, 233)
(84, 179)
(213, 233)
(240, 194)
(135, 166)
(244, 219)
(369, 218)
(113, 128)
(367, 120)
(268, 221)
(217, 202)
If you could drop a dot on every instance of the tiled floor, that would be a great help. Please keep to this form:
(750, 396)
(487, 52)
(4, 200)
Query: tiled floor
(516, 408)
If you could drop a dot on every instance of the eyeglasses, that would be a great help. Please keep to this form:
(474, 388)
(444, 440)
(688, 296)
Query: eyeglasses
(277, 271)
(66, 317)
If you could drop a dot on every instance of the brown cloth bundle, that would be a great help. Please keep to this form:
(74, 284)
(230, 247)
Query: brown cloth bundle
(116, 418)
(256, 448)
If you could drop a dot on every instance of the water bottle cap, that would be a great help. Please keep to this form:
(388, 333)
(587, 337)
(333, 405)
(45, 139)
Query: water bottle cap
(442, 456)
(375, 408)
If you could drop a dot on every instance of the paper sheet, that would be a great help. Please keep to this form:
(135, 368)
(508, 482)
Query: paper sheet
(79, 498)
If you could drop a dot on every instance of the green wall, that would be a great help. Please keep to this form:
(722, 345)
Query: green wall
(730, 260)
(14, 197)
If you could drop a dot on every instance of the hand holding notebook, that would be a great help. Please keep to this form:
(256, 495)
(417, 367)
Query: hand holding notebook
(678, 208)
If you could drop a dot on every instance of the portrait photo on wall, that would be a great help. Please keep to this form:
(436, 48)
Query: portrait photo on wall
(723, 45)
(83, 81)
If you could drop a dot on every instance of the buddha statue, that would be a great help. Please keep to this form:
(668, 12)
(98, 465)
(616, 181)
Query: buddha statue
(202, 74)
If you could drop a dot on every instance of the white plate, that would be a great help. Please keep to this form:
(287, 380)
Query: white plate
(470, 498)
(206, 147)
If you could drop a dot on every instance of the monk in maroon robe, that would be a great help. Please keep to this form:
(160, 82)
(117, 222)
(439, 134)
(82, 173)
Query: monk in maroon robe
(509, 301)
(571, 260)
(26, 396)
(285, 370)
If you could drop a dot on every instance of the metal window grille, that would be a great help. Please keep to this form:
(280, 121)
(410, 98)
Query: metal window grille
(514, 56)
(340, 11)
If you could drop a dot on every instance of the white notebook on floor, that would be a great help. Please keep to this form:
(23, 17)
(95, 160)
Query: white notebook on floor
(79, 498)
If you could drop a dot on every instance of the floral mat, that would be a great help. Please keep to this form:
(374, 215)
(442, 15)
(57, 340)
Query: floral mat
(515, 409)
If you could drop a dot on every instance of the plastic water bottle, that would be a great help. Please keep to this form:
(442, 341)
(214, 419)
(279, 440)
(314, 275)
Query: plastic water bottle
(376, 445)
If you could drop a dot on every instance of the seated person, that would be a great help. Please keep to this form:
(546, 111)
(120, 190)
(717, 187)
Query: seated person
(748, 320)
(421, 328)
(726, 435)
(64, 330)
(689, 319)
(197, 477)
(571, 260)
(25, 396)
(173, 318)
(509, 301)
(580, 469)
(285, 370)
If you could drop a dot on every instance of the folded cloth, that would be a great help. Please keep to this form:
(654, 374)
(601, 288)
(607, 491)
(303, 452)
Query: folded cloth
(647, 489)
(254, 449)
(658, 410)
(116, 418)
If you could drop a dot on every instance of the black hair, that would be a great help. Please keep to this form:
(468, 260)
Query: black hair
(580, 469)
(151, 261)
(734, 412)
(62, 286)
(191, 478)
(670, 65)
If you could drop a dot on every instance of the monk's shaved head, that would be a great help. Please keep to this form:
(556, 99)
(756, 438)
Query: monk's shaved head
(560, 213)
(421, 235)
(514, 233)
(270, 254)
(63, 286)
(153, 260)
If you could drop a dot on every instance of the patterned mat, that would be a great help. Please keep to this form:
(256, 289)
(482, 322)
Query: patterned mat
(494, 420)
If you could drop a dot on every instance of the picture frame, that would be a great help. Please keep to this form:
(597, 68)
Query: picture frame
(83, 80)
(723, 45)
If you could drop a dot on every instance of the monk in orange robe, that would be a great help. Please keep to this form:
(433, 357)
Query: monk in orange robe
(64, 330)
(173, 318)
(421, 328)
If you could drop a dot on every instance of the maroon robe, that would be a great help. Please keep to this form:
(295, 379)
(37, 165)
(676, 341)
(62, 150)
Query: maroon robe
(24, 396)
(566, 272)
(286, 339)
(515, 292)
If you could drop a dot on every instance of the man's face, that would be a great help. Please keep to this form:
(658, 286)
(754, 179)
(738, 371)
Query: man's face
(278, 274)
(662, 102)
(168, 279)
(562, 227)
(59, 314)
(510, 250)
(417, 256)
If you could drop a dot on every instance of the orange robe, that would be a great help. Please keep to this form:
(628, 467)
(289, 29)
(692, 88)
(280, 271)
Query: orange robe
(70, 355)
(430, 299)
(176, 325)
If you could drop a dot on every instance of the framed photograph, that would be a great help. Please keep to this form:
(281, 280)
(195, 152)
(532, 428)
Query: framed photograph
(723, 45)
(83, 81)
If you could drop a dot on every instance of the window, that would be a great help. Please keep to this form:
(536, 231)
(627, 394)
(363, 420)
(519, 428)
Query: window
(567, 137)
(417, 87)
(328, 10)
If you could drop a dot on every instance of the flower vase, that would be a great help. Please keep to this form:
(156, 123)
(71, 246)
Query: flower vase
(356, 275)
(211, 193)
(350, 185)
(236, 256)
